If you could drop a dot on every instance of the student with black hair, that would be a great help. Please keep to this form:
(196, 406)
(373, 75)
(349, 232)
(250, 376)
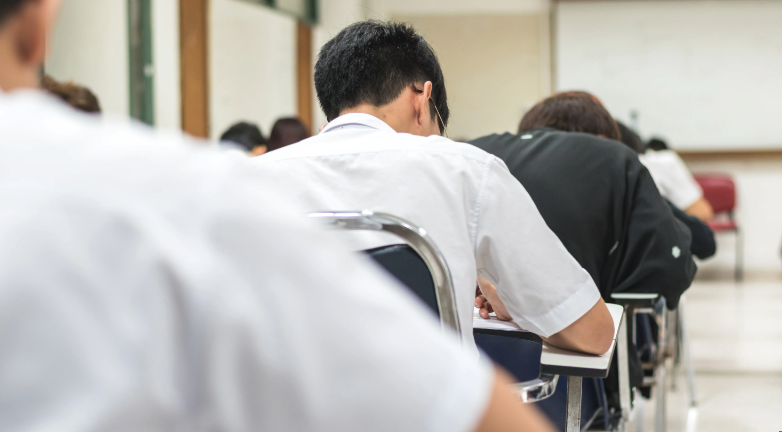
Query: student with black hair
(247, 137)
(600, 201)
(656, 144)
(383, 92)
(149, 285)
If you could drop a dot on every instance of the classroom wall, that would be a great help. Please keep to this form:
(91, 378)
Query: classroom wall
(165, 56)
(466, 7)
(704, 73)
(252, 65)
(495, 66)
(759, 188)
(89, 45)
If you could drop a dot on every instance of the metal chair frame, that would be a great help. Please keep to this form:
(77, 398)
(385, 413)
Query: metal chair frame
(418, 239)
(672, 349)
(574, 385)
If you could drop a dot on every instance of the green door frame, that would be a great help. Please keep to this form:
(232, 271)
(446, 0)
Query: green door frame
(141, 64)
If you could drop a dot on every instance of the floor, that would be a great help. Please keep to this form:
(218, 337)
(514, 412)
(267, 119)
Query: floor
(736, 339)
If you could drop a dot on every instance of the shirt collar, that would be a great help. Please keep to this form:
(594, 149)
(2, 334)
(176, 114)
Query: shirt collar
(357, 120)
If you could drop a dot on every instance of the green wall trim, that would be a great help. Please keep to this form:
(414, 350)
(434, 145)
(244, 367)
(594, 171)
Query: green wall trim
(141, 63)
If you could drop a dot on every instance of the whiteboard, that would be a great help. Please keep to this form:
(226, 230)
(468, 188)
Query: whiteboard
(705, 75)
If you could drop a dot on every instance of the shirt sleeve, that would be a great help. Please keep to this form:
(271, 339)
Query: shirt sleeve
(541, 284)
(680, 186)
(242, 320)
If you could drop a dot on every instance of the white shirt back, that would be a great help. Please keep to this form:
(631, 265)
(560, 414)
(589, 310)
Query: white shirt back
(672, 177)
(477, 213)
(148, 286)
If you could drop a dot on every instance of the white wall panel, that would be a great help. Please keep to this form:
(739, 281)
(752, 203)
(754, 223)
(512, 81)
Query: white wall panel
(89, 45)
(704, 74)
(252, 65)
(165, 51)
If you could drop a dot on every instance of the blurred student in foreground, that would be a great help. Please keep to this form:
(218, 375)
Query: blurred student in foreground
(75, 95)
(246, 137)
(287, 131)
(179, 294)
(383, 92)
(671, 176)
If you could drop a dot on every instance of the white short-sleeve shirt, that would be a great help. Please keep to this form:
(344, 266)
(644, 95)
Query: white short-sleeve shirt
(478, 214)
(156, 287)
(672, 177)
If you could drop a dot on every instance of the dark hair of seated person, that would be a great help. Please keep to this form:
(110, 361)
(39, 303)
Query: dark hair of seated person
(372, 62)
(75, 95)
(657, 144)
(246, 135)
(574, 111)
(287, 131)
(8, 7)
(630, 138)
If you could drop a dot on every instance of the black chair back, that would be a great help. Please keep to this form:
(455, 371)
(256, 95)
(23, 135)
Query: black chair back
(402, 262)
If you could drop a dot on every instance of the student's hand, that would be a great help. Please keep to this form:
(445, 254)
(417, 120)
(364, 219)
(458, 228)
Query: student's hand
(487, 300)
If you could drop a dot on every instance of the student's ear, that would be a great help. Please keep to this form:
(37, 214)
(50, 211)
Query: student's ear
(423, 116)
(35, 22)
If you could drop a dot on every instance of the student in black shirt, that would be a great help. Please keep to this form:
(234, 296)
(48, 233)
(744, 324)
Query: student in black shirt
(600, 201)
(597, 197)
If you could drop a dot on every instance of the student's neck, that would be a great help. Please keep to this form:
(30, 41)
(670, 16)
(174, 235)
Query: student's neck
(390, 114)
(372, 110)
(14, 76)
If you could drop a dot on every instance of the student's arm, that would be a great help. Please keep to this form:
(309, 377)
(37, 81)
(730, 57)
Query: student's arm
(701, 209)
(703, 245)
(541, 286)
(684, 191)
(506, 413)
(584, 335)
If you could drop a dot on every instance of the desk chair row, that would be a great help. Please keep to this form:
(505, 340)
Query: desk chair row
(573, 404)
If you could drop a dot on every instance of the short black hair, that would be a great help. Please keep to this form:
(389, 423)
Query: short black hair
(245, 134)
(657, 144)
(373, 62)
(8, 7)
(630, 138)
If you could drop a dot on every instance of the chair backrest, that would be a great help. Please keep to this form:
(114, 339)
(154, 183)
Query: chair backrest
(418, 242)
(402, 262)
(719, 190)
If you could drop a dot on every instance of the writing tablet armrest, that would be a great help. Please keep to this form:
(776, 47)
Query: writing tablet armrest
(636, 299)
(555, 360)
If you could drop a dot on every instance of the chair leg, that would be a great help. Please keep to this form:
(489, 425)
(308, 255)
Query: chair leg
(684, 347)
(639, 413)
(673, 346)
(660, 418)
(739, 256)
(623, 357)
(573, 403)
(660, 385)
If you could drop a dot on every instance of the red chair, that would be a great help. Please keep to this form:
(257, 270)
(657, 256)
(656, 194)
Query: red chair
(720, 191)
